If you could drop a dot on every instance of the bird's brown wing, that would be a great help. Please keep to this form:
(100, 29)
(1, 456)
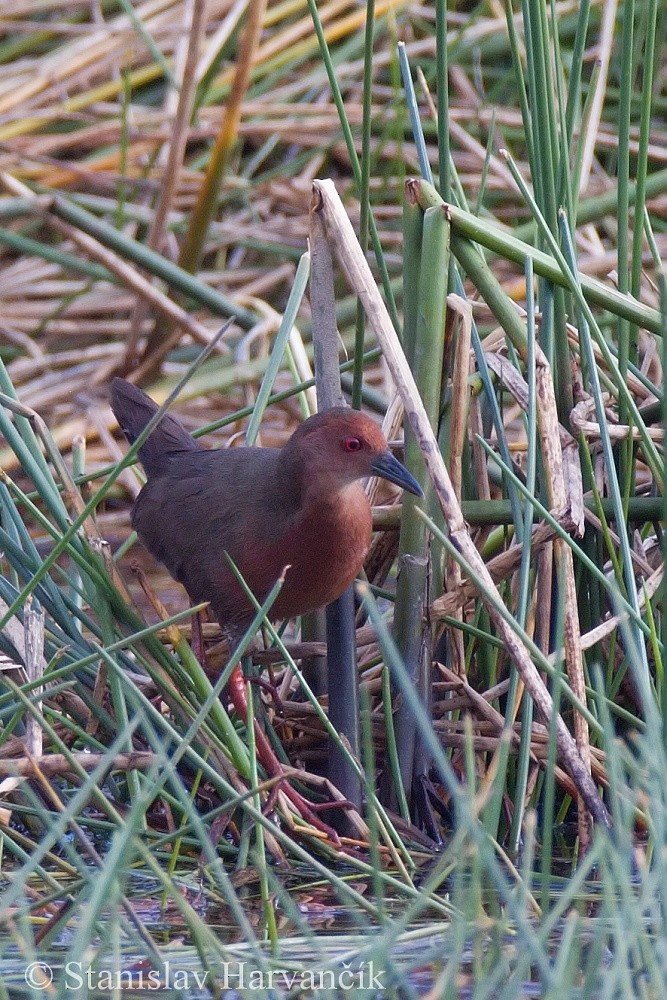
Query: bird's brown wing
(206, 503)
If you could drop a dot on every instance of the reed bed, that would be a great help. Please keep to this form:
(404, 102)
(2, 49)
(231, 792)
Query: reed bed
(504, 171)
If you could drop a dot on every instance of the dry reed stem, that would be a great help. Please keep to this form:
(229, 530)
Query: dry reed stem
(53, 764)
(560, 499)
(591, 132)
(617, 432)
(605, 628)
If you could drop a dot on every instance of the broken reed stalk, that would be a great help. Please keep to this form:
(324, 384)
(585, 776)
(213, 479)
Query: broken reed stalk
(342, 676)
(358, 273)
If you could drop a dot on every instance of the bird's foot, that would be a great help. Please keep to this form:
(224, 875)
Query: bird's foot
(298, 804)
(271, 690)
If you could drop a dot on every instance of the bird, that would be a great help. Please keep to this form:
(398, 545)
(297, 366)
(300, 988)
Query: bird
(300, 510)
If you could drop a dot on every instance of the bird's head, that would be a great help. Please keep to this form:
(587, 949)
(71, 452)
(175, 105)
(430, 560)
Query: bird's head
(343, 445)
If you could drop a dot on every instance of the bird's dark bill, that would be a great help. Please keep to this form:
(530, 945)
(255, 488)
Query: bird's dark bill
(391, 469)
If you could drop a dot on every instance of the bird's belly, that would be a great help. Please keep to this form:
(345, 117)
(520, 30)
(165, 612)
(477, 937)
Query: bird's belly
(323, 561)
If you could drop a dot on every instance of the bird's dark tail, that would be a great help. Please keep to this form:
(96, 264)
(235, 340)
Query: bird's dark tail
(133, 409)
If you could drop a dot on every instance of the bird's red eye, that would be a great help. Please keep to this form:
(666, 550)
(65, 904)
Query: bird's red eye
(352, 444)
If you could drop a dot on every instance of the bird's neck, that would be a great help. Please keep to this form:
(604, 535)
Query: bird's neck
(304, 488)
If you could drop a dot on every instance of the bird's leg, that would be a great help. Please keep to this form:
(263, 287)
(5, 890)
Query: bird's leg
(273, 767)
(237, 694)
(199, 650)
(424, 802)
